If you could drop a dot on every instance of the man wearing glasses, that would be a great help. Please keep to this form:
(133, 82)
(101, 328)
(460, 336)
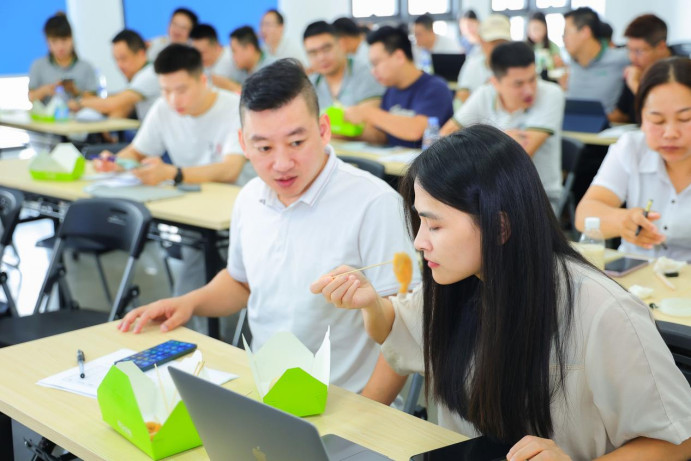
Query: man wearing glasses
(337, 78)
(647, 44)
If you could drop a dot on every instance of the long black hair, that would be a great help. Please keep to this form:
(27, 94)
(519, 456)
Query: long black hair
(487, 343)
(539, 17)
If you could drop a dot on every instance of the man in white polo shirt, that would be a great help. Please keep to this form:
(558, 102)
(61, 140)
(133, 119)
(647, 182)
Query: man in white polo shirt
(287, 229)
(197, 126)
(527, 108)
(217, 59)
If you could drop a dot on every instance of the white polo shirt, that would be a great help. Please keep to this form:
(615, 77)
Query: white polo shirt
(224, 64)
(194, 141)
(145, 83)
(347, 216)
(546, 114)
(636, 174)
(474, 72)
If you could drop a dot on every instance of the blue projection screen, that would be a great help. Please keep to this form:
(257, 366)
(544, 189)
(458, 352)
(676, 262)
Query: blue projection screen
(21, 32)
(150, 18)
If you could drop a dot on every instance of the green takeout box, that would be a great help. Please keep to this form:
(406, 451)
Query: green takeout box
(126, 397)
(339, 125)
(289, 377)
(64, 163)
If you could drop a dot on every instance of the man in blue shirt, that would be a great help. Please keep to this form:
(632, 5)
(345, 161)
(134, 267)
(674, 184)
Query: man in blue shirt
(411, 97)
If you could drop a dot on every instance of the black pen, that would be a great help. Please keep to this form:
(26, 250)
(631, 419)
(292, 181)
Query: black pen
(645, 215)
(80, 361)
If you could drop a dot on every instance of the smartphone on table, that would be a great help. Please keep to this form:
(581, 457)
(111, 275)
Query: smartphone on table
(622, 266)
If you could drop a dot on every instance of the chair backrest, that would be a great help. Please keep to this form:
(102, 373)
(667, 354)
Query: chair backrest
(571, 150)
(678, 339)
(117, 223)
(10, 205)
(372, 166)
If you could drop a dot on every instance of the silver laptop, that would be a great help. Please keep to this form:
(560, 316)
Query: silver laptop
(234, 427)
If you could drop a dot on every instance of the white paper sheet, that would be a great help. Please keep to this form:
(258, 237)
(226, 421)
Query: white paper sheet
(95, 370)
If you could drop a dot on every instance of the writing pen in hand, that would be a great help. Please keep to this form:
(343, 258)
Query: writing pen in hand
(80, 362)
(645, 215)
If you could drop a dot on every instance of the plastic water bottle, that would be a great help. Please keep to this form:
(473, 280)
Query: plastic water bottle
(592, 243)
(426, 61)
(62, 112)
(431, 132)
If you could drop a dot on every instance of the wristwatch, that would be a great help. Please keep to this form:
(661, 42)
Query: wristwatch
(178, 176)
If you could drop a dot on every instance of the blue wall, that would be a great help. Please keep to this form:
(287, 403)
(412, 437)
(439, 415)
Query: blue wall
(21, 32)
(151, 17)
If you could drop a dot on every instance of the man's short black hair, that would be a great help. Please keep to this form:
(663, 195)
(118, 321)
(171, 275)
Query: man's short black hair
(204, 31)
(606, 32)
(425, 21)
(279, 16)
(189, 13)
(57, 27)
(245, 35)
(647, 27)
(132, 39)
(177, 56)
(583, 17)
(510, 54)
(346, 27)
(318, 28)
(470, 14)
(275, 86)
(392, 38)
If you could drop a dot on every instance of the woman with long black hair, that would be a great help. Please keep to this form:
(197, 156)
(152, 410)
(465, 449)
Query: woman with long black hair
(519, 337)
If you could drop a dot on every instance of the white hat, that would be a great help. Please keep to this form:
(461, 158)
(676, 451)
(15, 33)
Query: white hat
(495, 27)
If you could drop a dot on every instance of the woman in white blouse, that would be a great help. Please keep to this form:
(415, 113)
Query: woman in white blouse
(651, 164)
(520, 339)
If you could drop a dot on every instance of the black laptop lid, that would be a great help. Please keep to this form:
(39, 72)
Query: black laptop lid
(447, 66)
(584, 116)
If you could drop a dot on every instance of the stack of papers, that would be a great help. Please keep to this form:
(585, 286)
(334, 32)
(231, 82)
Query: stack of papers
(95, 371)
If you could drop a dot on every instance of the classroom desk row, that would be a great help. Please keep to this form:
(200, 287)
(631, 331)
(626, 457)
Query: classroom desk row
(646, 277)
(22, 120)
(74, 422)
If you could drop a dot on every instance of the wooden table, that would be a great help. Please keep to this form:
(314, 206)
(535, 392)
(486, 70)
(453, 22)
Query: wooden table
(74, 422)
(22, 120)
(646, 277)
(594, 139)
(204, 214)
(209, 209)
(391, 167)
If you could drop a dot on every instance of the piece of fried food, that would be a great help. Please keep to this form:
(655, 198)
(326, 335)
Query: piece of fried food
(403, 269)
(153, 428)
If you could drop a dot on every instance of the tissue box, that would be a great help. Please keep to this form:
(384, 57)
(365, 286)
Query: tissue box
(118, 399)
(338, 124)
(289, 377)
(64, 163)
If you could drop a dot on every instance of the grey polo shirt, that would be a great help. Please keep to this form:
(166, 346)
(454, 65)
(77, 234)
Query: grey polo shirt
(358, 85)
(546, 114)
(45, 71)
(240, 75)
(601, 79)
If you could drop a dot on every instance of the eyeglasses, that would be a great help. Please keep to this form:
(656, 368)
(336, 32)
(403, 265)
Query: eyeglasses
(325, 49)
(639, 51)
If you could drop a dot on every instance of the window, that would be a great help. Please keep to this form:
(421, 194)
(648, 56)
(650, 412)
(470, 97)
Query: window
(418, 7)
(367, 8)
(502, 5)
(404, 10)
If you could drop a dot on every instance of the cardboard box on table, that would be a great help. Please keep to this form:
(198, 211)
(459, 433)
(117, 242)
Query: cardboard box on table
(289, 377)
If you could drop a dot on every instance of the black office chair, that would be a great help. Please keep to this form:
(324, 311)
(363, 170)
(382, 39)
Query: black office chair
(10, 206)
(678, 339)
(116, 223)
(571, 150)
(372, 166)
